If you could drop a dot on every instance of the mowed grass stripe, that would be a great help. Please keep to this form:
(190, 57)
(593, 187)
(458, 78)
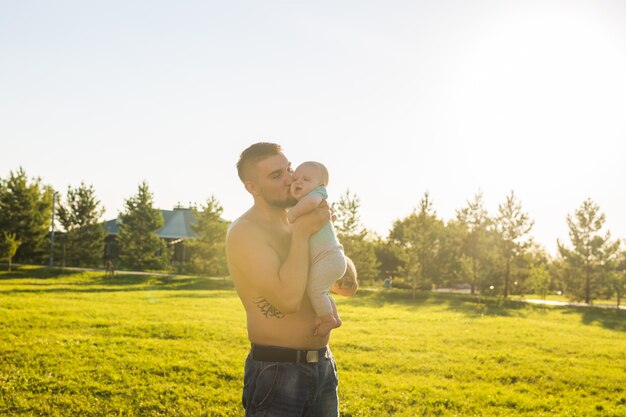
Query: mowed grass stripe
(82, 344)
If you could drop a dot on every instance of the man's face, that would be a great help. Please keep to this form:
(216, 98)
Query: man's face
(273, 178)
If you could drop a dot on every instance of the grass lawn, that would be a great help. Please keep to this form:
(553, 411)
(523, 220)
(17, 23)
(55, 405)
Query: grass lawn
(80, 344)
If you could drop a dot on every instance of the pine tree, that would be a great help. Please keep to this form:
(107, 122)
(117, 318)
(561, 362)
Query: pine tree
(591, 253)
(84, 233)
(348, 222)
(420, 234)
(207, 251)
(25, 210)
(140, 247)
(354, 237)
(476, 221)
(512, 226)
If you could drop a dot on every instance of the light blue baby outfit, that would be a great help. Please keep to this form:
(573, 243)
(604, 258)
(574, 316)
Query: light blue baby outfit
(327, 263)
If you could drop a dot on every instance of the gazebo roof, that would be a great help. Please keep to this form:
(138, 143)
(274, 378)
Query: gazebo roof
(176, 224)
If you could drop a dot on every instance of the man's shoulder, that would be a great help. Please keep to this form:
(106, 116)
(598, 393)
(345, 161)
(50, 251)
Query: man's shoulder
(243, 226)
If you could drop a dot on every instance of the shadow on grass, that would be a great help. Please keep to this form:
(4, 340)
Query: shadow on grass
(477, 306)
(37, 272)
(96, 282)
(470, 305)
(613, 319)
(162, 283)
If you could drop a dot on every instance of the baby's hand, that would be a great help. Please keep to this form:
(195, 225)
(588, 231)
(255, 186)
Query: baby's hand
(312, 221)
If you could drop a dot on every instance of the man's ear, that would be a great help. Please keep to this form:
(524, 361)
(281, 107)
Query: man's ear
(250, 187)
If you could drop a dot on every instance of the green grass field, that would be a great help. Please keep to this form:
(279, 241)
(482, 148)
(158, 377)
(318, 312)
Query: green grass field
(84, 345)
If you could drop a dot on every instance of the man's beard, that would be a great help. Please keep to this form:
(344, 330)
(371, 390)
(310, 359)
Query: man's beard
(284, 203)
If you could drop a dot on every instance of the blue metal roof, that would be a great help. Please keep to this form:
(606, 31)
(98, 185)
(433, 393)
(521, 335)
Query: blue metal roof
(176, 224)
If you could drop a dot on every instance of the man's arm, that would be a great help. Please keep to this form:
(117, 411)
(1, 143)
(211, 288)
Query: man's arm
(306, 204)
(347, 284)
(252, 259)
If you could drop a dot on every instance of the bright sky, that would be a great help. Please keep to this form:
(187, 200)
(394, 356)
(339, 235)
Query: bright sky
(395, 97)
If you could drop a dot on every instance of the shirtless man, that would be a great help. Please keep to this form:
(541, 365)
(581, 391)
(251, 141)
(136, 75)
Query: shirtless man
(289, 371)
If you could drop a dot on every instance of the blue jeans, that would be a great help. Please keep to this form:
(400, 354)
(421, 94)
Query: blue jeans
(285, 389)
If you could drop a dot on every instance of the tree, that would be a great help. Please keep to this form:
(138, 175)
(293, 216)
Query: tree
(207, 252)
(539, 279)
(455, 266)
(140, 247)
(25, 210)
(476, 221)
(354, 237)
(390, 258)
(348, 221)
(420, 234)
(84, 233)
(8, 246)
(557, 268)
(589, 258)
(533, 257)
(512, 226)
(618, 277)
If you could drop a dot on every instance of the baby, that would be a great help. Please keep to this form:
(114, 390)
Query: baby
(327, 260)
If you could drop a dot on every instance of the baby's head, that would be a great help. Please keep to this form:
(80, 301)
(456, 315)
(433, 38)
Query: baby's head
(307, 177)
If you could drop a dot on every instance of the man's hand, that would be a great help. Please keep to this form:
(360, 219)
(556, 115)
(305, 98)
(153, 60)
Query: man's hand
(347, 284)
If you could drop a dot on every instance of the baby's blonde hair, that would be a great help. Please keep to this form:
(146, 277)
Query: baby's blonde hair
(322, 168)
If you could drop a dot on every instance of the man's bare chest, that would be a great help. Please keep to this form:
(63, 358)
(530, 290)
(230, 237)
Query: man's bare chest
(280, 240)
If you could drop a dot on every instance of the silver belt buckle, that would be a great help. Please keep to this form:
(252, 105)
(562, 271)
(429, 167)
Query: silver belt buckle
(312, 356)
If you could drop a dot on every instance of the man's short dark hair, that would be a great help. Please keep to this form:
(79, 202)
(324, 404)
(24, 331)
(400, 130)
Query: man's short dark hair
(252, 155)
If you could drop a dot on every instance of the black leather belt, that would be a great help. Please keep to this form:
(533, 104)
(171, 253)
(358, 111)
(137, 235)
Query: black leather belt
(280, 354)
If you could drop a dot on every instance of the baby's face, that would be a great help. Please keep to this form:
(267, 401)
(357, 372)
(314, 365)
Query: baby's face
(305, 179)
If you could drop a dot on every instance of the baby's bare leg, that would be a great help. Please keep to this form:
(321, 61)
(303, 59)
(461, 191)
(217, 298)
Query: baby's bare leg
(322, 274)
(335, 311)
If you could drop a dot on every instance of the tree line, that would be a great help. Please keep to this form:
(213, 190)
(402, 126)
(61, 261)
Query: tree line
(493, 254)
(487, 253)
(26, 211)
